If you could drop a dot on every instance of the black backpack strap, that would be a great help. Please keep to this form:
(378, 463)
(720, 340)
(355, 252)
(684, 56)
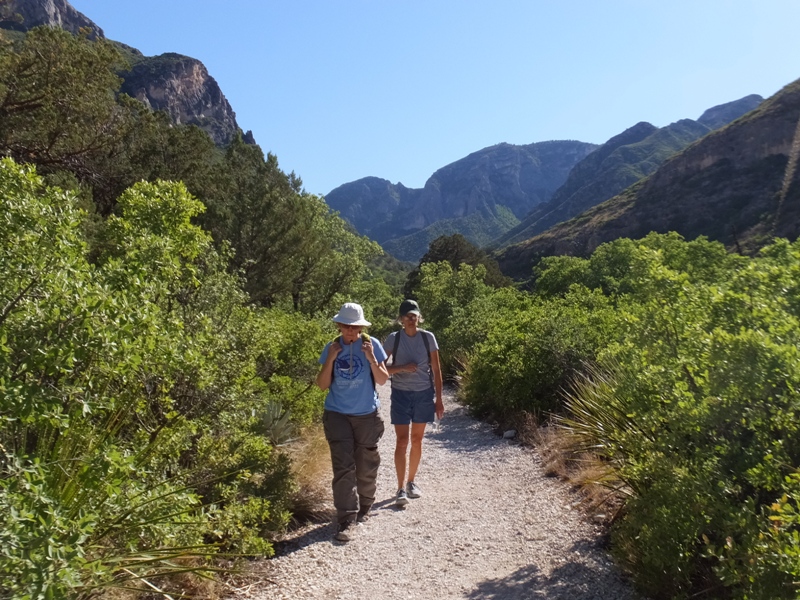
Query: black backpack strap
(396, 346)
(428, 349)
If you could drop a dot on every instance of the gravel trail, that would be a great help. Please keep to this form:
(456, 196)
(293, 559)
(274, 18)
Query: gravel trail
(489, 525)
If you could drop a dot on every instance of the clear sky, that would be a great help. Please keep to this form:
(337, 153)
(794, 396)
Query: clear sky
(344, 89)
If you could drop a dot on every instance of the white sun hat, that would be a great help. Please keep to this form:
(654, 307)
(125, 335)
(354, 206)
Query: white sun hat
(351, 314)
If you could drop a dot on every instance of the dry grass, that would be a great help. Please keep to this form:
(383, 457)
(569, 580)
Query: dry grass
(593, 479)
(311, 465)
(181, 585)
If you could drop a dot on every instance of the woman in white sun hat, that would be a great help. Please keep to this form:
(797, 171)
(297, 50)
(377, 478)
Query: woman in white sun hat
(352, 365)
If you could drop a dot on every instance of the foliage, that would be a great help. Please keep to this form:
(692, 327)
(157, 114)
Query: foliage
(134, 390)
(444, 296)
(699, 416)
(287, 244)
(456, 250)
(57, 106)
(530, 354)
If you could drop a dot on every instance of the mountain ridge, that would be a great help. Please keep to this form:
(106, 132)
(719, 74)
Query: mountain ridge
(729, 186)
(481, 196)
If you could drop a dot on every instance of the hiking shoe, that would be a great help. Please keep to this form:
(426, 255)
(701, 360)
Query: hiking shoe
(402, 498)
(363, 516)
(345, 531)
(413, 490)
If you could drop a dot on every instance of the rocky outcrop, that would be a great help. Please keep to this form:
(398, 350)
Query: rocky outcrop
(182, 87)
(179, 85)
(734, 185)
(719, 116)
(22, 15)
(371, 203)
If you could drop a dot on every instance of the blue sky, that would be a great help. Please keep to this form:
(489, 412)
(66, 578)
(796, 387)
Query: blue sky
(345, 89)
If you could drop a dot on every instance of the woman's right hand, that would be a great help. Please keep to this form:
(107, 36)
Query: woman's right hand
(410, 368)
(335, 349)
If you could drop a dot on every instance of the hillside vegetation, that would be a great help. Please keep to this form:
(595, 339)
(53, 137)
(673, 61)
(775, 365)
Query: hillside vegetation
(735, 185)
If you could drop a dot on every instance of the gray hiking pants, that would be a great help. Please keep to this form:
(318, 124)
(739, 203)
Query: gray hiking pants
(354, 455)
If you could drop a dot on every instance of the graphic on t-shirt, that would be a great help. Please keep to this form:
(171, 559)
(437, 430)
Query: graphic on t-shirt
(345, 369)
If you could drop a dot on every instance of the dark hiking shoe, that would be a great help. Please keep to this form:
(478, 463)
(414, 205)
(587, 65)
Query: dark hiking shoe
(363, 516)
(345, 531)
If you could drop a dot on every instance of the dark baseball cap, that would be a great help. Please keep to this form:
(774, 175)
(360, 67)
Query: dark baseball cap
(409, 306)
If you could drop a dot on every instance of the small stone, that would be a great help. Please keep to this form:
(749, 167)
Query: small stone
(510, 434)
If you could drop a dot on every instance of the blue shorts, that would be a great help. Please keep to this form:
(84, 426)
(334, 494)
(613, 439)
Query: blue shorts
(412, 407)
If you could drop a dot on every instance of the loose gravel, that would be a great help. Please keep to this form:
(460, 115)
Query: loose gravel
(490, 524)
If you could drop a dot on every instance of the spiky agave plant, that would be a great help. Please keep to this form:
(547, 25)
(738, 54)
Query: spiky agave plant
(87, 514)
(600, 423)
(275, 423)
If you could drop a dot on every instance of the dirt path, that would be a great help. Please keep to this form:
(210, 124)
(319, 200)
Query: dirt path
(489, 525)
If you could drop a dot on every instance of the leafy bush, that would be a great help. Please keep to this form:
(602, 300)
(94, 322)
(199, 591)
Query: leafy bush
(527, 357)
(706, 375)
(132, 394)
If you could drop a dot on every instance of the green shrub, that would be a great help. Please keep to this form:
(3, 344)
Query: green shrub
(526, 360)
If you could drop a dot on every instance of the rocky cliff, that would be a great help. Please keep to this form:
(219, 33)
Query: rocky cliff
(182, 87)
(22, 15)
(734, 185)
(177, 84)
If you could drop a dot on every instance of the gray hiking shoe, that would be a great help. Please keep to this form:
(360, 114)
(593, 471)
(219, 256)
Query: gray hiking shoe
(402, 498)
(363, 516)
(345, 531)
(413, 490)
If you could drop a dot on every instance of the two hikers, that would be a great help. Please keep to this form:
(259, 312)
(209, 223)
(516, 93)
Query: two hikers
(352, 366)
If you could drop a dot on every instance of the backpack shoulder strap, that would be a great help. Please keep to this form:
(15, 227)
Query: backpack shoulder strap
(427, 343)
(333, 366)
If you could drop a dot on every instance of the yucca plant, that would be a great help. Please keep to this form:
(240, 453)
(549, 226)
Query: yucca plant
(275, 423)
(601, 425)
(88, 515)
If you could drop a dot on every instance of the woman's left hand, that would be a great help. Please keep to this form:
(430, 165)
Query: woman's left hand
(369, 352)
(439, 408)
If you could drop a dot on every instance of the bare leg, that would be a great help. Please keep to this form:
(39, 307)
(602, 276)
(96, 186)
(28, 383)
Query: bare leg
(400, 450)
(417, 433)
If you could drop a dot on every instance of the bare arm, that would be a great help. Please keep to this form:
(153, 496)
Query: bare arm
(325, 375)
(437, 382)
(379, 371)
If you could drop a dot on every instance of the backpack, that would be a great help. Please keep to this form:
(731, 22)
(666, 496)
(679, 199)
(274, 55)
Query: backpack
(333, 368)
(424, 341)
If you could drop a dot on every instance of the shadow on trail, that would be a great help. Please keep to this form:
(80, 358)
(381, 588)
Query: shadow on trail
(321, 533)
(461, 433)
(571, 581)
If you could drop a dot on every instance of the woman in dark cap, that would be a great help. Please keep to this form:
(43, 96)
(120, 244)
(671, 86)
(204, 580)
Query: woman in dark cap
(416, 380)
(352, 365)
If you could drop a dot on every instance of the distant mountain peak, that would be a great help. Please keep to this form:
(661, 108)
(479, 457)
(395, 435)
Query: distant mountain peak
(717, 116)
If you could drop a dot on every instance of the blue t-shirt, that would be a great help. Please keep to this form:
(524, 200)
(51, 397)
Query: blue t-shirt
(351, 391)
